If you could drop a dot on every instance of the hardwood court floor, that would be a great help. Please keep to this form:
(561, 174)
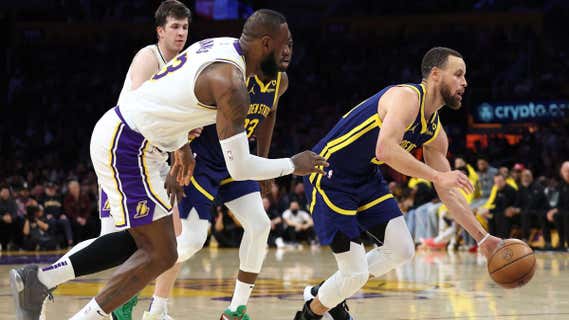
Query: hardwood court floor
(435, 285)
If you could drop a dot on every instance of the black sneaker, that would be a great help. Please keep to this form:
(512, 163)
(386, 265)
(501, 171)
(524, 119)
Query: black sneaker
(306, 313)
(339, 312)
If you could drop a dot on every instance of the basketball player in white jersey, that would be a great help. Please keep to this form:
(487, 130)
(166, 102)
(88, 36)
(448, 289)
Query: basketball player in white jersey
(172, 20)
(203, 85)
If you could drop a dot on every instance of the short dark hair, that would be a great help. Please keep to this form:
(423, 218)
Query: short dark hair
(171, 8)
(436, 57)
(263, 22)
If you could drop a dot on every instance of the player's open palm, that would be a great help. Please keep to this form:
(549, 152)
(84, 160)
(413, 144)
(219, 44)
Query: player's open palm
(308, 162)
(455, 179)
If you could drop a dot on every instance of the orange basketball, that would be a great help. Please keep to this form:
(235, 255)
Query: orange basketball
(512, 264)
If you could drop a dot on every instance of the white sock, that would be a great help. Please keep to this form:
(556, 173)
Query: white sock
(92, 311)
(57, 273)
(158, 306)
(241, 294)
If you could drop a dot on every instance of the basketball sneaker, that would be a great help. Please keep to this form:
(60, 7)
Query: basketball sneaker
(239, 314)
(149, 316)
(306, 313)
(124, 312)
(28, 292)
(339, 312)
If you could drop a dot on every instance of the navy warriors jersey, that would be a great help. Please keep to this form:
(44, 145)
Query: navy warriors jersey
(263, 98)
(350, 145)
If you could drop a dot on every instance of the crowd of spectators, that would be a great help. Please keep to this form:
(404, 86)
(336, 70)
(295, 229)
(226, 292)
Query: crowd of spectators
(53, 99)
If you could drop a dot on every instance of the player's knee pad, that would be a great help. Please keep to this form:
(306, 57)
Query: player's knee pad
(398, 248)
(256, 225)
(398, 238)
(193, 236)
(352, 276)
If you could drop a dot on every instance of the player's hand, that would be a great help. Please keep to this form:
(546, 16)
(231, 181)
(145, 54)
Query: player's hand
(183, 165)
(194, 134)
(489, 246)
(173, 188)
(266, 186)
(551, 215)
(454, 179)
(308, 162)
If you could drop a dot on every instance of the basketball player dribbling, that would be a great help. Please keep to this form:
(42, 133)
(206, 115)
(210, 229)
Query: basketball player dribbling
(353, 197)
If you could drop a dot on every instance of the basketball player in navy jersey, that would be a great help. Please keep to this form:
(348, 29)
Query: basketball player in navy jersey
(353, 197)
(212, 180)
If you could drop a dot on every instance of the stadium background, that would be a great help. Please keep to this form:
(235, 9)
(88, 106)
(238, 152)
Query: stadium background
(63, 65)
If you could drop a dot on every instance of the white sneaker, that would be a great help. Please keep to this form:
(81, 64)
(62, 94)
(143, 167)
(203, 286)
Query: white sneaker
(149, 316)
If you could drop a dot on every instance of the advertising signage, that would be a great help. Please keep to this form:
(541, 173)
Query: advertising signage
(529, 111)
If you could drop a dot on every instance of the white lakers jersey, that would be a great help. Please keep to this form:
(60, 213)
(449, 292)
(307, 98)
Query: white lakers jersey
(127, 86)
(165, 108)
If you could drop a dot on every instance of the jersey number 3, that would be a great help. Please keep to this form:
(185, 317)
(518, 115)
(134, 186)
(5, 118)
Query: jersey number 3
(176, 64)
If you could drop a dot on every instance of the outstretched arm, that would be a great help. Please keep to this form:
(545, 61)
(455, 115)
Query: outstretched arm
(435, 156)
(226, 86)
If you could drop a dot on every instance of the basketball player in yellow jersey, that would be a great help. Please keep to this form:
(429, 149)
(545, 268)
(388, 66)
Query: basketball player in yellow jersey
(353, 197)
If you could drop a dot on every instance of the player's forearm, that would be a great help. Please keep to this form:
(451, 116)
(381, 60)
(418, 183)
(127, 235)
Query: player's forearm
(458, 207)
(242, 165)
(397, 158)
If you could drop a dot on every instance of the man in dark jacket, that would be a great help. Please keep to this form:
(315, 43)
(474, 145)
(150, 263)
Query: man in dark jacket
(560, 213)
(500, 223)
(8, 221)
(532, 205)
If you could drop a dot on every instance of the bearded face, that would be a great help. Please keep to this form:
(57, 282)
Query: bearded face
(454, 101)
(269, 66)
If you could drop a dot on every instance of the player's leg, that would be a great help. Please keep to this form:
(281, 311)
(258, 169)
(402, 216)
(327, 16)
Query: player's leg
(351, 276)
(156, 253)
(194, 214)
(342, 233)
(385, 222)
(31, 285)
(128, 169)
(165, 282)
(107, 225)
(248, 209)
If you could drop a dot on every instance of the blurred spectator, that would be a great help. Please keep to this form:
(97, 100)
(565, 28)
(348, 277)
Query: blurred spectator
(8, 217)
(486, 175)
(277, 224)
(299, 195)
(77, 208)
(532, 204)
(35, 231)
(516, 172)
(227, 230)
(278, 199)
(500, 220)
(24, 201)
(300, 226)
(53, 209)
(559, 214)
(422, 216)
